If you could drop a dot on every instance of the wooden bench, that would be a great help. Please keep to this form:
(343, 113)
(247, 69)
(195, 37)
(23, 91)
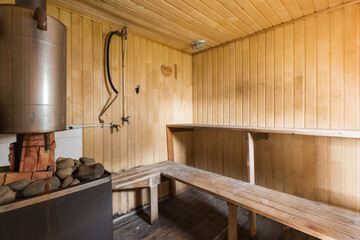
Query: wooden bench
(316, 219)
(313, 218)
(141, 177)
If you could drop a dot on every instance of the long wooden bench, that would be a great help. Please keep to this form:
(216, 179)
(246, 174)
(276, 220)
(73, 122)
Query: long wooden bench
(316, 219)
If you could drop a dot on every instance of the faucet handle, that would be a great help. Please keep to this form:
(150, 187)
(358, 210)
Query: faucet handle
(126, 119)
(116, 126)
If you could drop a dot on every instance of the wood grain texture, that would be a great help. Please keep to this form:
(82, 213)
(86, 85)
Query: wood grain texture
(301, 75)
(178, 23)
(161, 100)
(200, 222)
(232, 221)
(319, 220)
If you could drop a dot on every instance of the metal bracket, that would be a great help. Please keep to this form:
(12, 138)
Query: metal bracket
(41, 17)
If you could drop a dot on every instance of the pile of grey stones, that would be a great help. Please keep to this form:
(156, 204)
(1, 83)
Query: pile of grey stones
(69, 172)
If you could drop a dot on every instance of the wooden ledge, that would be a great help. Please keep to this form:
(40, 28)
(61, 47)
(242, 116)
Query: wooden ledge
(292, 131)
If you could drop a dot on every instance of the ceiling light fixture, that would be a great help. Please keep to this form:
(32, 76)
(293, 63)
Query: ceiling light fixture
(198, 45)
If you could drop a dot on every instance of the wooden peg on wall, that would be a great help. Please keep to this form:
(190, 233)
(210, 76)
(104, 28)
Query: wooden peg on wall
(175, 70)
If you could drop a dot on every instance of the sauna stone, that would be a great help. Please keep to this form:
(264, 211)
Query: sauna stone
(86, 160)
(34, 188)
(54, 182)
(19, 185)
(66, 163)
(74, 182)
(63, 173)
(90, 172)
(6, 195)
(59, 159)
(66, 182)
(41, 186)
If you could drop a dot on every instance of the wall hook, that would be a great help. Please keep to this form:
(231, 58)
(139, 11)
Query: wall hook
(137, 89)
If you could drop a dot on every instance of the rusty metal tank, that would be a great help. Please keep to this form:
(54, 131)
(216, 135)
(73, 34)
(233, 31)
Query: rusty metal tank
(32, 72)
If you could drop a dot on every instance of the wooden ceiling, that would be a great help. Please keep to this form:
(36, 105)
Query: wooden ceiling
(177, 23)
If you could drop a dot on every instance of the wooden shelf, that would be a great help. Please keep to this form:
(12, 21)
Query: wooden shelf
(292, 131)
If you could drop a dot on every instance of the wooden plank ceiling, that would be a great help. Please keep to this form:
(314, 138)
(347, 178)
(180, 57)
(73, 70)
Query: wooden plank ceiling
(177, 23)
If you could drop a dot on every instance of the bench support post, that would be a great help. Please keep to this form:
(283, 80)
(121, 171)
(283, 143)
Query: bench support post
(251, 178)
(170, 144)
(232, 221)
(154, 215)
(170, 150)
(252, 224)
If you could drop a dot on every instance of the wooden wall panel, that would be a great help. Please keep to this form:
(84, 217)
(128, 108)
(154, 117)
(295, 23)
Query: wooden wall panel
(160, 101)
(301, 75)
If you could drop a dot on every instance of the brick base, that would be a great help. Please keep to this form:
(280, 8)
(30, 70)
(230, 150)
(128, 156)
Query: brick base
(9, 177)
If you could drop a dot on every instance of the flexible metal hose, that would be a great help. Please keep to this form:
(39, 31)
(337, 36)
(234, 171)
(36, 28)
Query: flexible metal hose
(107, 60)
(123, 33)
(123, 71)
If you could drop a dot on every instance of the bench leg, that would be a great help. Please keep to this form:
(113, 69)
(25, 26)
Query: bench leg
(232, 222)
(172, 186)
(154, 215)
(252, 224)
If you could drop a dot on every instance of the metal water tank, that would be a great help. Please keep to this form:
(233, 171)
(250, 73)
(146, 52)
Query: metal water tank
(32, 72)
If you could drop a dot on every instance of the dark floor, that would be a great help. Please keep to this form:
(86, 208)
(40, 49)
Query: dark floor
(196, 215)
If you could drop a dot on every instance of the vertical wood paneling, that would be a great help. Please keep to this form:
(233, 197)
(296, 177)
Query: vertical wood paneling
(209, 88)
(310, 168)
(289, 76)
(160, 101)
(301, 75)
(213, 81)
(310, 73)
(322, 177)
(88, 88)
(253, 80)
(226, 83)
(220, 86)
(238, 82)
(199, 88)
(65, 18)
(97, 92)
(351, 68)
(76, 71)
(279, 77)
(232, 85)
(337, 70)
(106, 96)
(269, 79)
(323, 71)
(245, 83)
(194, 82)
(261, 80)
(204, 90)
